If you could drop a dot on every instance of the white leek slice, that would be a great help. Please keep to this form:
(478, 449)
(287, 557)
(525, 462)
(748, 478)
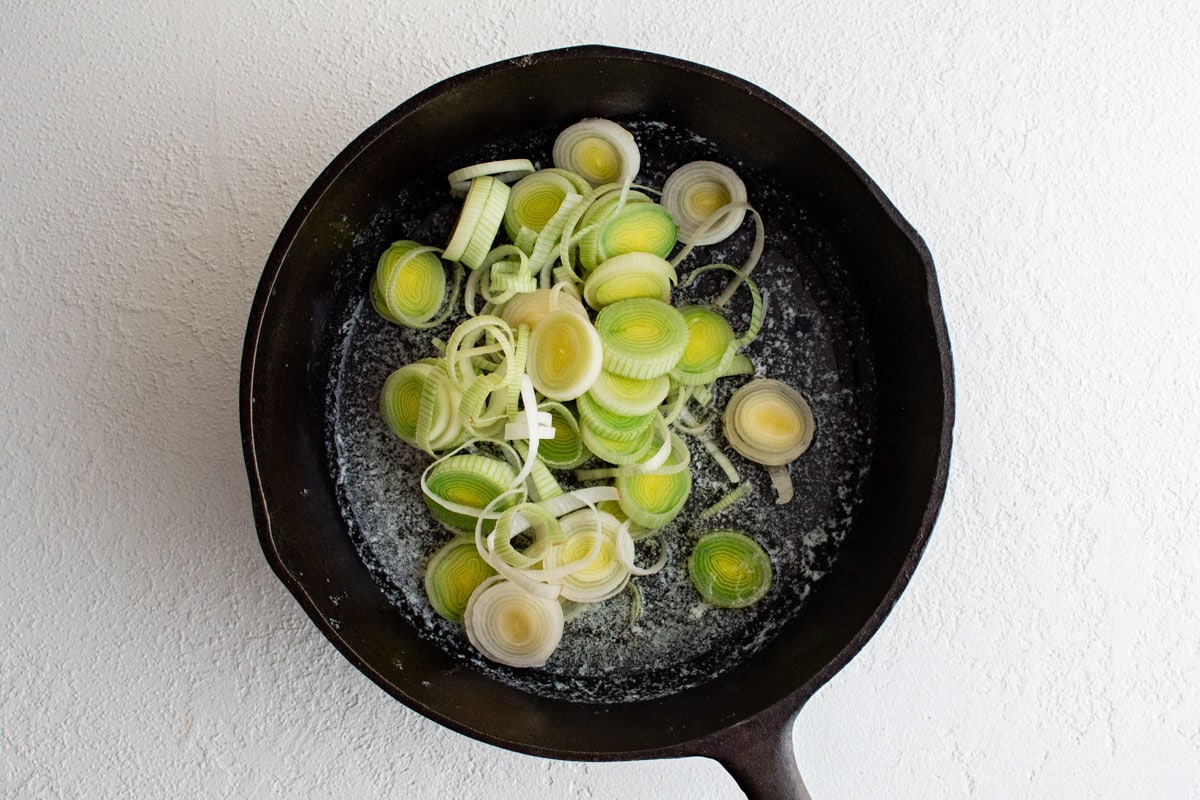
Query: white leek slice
(565, 355)
(696, 192)
(599, 150)
(507, 170)
(531, 307)
(605, 575)
(510, 626)
(626, 552)
(770, 423)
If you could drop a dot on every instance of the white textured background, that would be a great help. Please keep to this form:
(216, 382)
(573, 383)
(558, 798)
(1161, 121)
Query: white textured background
(1049, 645)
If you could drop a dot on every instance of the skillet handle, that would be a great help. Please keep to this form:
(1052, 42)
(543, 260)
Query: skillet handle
(758, 754)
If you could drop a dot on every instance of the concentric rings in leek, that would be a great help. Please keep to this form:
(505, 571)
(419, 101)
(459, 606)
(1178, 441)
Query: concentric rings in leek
(729, 569)
(769, 422)
(452, 574)
(642, 337)
(564, 355)
(598, 149)
(698, 190)
(458, 485)
(710, 337)
(510, 626)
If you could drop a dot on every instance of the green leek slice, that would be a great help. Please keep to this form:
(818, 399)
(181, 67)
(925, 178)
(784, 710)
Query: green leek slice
(565, 450)
(638, 228)
(603, 208)
(610, 426)
(629, 396)
(400, 400)
(729, 569)
(654, 499)
(535, 199)
(411, 289)
(624, 452)
(457, 488)
(710, 347)
(452, 574)
(642, 337)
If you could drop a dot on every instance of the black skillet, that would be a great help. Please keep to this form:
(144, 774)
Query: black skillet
(858, 327)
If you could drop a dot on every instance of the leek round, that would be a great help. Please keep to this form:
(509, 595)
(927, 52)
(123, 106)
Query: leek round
(697, 191)
(452, 574)
(510, 626)
(599, 150)
(564, 355)
(729, 569)
(643, 337)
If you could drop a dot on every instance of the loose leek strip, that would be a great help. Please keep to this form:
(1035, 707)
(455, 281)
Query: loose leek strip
(458, 488)
(638, 228)
(629, 275)
(478, 222)
(535, 199)
(510, 626)
(452, 575)
(564, 355)
(642, 337)
(605, 575)
(548, 532)
(729, 569)
(599, 150)
(770, 423)
(698, 190)
(728, 499)
(507, 170)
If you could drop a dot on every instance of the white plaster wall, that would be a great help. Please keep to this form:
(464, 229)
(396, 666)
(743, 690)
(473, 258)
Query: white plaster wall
(1049, 645)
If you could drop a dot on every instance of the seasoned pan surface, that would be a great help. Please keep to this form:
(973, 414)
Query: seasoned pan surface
(813, 338)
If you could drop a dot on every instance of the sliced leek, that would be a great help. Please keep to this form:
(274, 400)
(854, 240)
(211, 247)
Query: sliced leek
(452, 574)
(638, 228)
(629, 275)
(629, 396)
(770, 423)
(652, 500)
(696, 192)
(599, 150)
(400, 400)
(458, 488)
(534, 200)
(603, 208)
(710, 346)
(729, 569)
(605, 575)
(510, 626)
(478, 222)
(564, 355)
(642, 337)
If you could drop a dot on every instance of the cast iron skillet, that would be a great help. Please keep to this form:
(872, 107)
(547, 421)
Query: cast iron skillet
(879, 285)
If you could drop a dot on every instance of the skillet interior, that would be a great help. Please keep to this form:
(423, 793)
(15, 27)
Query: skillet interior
(863, 270)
